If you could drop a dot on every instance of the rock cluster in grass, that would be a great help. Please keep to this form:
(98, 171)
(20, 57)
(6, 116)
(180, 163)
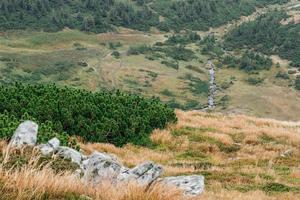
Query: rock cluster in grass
(99, 167)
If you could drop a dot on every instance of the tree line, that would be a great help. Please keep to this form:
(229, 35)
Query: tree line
(104, 15)
(87, 15)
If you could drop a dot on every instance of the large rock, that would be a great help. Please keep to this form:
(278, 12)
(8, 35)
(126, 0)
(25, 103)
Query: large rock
(72, 154)
(51, 147)
(190, 185)
(101, 167)
(25, 134)
(144, 174)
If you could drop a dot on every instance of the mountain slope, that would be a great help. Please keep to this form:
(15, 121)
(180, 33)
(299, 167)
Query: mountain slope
(168, 65)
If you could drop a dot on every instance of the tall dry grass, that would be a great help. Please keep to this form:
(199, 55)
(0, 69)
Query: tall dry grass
(254, 159)
(33, 181)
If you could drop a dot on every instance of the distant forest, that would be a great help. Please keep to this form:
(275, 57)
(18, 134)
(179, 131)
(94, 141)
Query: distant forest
(104, 15)
(267, 35)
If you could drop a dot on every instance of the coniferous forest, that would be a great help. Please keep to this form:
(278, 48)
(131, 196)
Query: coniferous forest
(105, 15)
(266, 34)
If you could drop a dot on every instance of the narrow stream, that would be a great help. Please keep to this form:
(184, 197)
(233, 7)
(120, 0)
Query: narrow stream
(212, 85)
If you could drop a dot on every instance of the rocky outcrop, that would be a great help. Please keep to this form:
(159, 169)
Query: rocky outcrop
(71, 154)
(102, 167)
(51, 147)
(144, 174)
(190, 185)
(26, 134)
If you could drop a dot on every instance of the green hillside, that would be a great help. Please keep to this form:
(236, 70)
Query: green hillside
(104, 15)
(268, 35)
(96, 45)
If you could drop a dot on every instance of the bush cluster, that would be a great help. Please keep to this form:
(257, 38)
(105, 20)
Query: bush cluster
(9, 123)
(105, 116)
(249, 61)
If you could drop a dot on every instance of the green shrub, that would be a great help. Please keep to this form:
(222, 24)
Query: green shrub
(116, 45)
(275, 187)
(9, 123)
(282, 75)
(136, 50)
(231, 61)
(105, 116)
(251, 61)
(184, 39)
(255, 80)
(172, 64)
(179, 53)
(195, 69)
(167, 93)
(116, 54)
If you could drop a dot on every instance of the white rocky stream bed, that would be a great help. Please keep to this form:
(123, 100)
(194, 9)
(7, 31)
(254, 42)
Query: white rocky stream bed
(212, 85)
(98, 167)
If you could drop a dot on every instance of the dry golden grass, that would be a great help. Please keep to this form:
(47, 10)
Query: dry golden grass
(238, 155)
(36, 181)
(33, 182)
(236, 152)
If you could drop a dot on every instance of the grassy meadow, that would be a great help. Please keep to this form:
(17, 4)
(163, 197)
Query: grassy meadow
(88, 61)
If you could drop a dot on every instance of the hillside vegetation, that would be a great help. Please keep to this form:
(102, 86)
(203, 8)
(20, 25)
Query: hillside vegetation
(241, 158)
(201, 15)
(104, 15)
(267, 34)
(257, 78)
(113, 117)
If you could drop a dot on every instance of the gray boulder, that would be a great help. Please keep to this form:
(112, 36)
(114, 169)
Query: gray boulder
(50, 147)
(25, 134)
(101, 167)
(69, 153)
(144, 174)
(190, 185)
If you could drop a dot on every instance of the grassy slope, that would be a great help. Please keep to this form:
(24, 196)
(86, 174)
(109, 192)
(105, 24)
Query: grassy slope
(273, 98)
(33, 50)
(238, 155)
